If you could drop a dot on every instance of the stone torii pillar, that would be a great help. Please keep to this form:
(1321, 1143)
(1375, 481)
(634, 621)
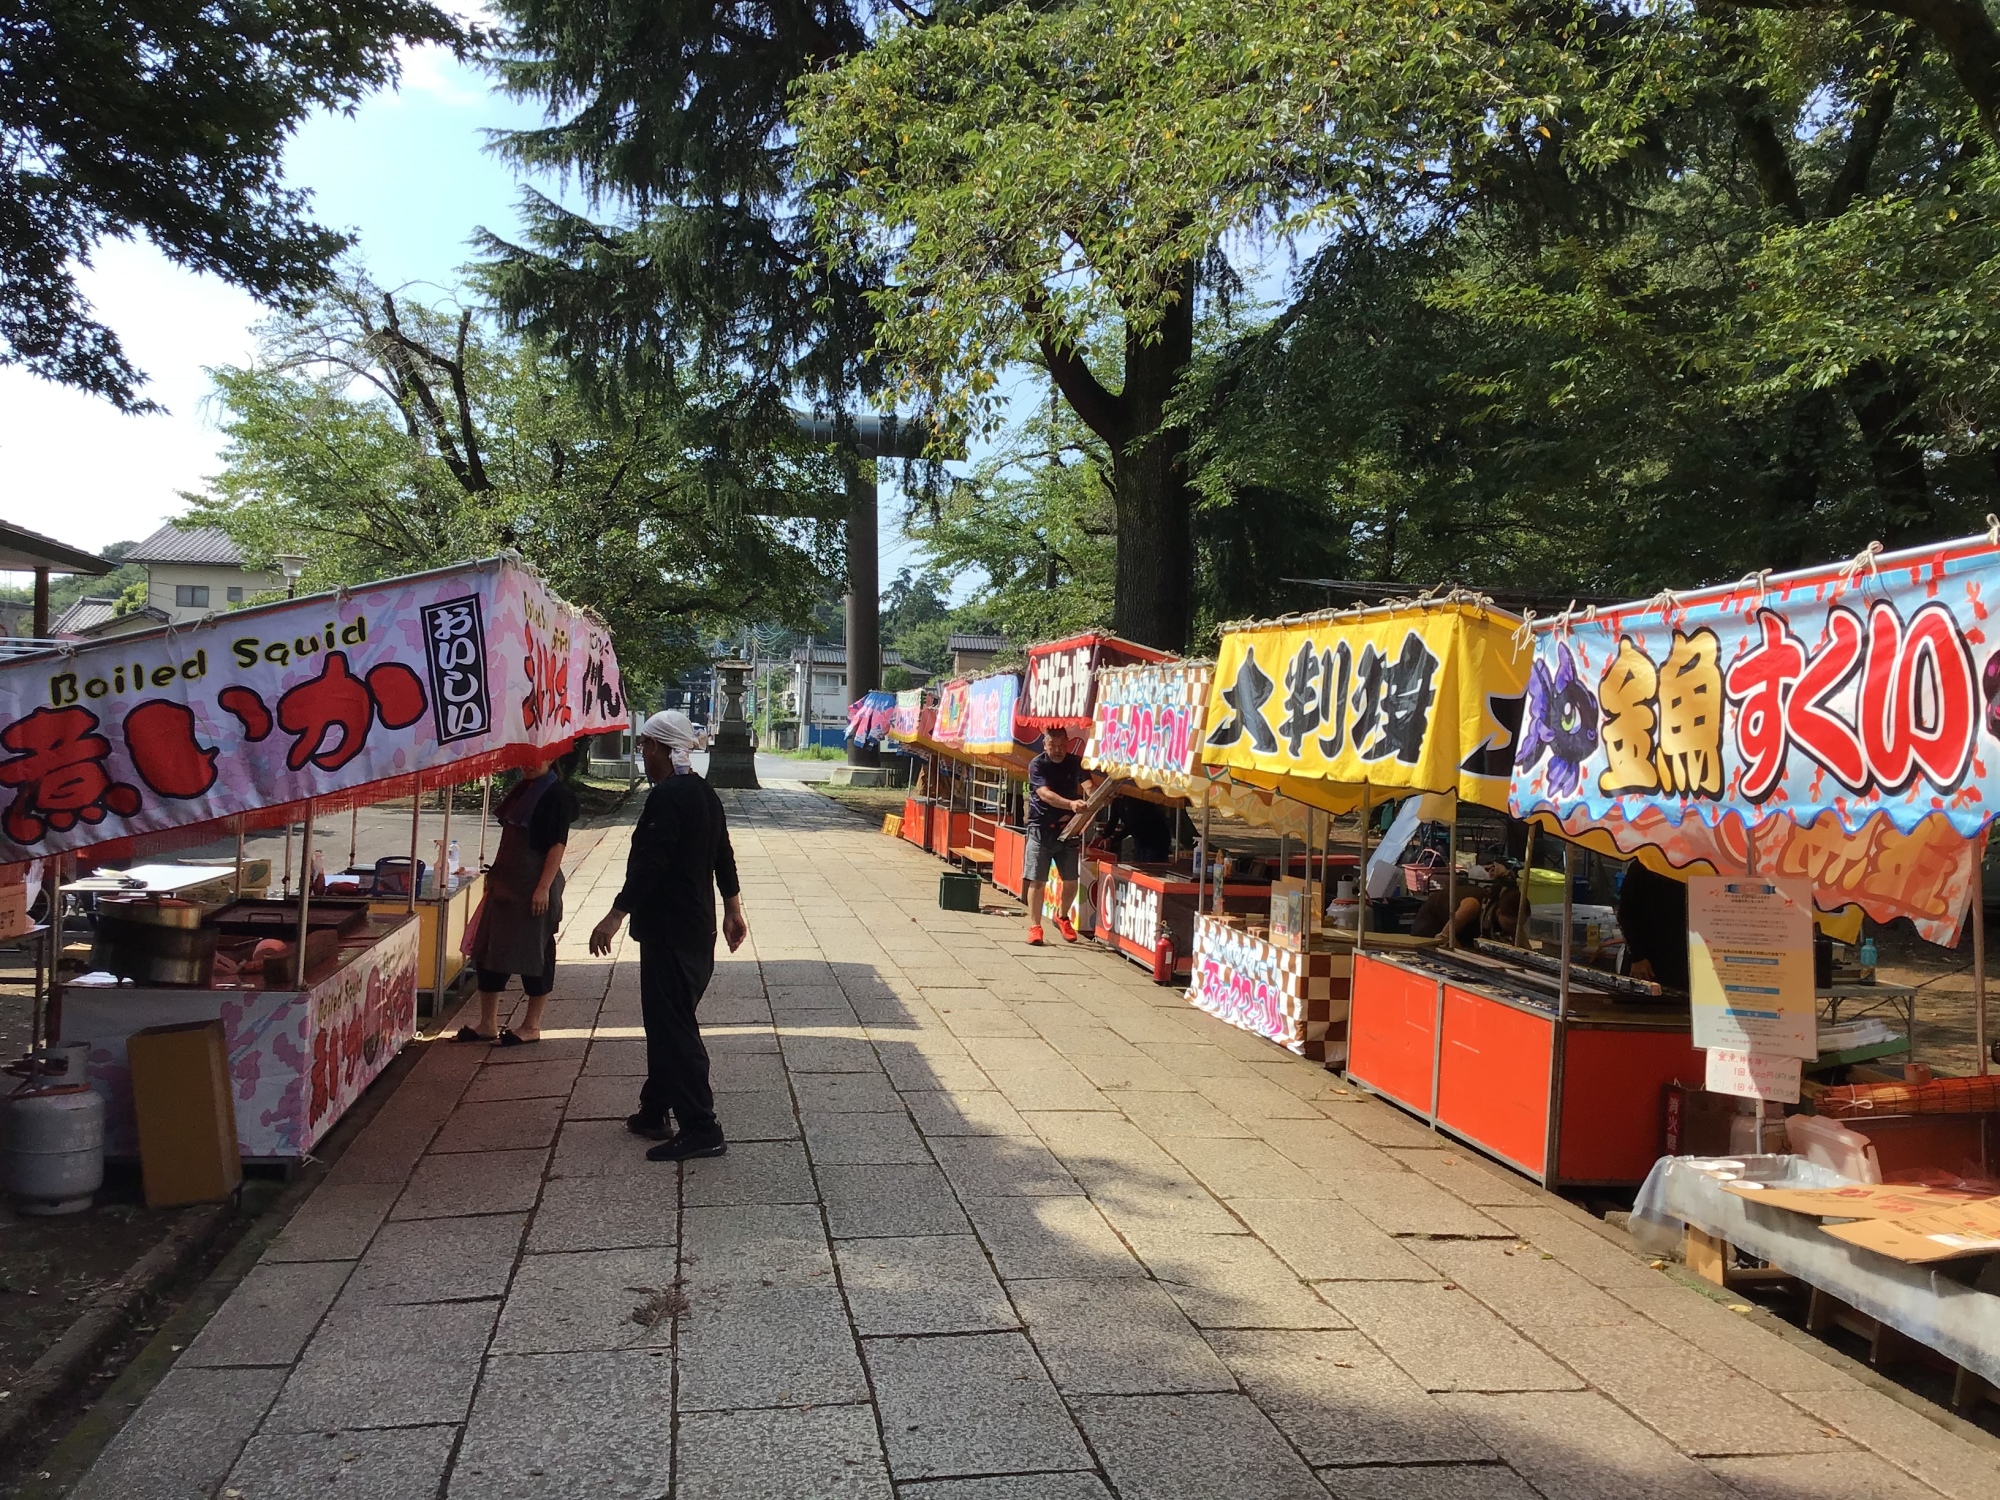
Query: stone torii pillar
(869, 438)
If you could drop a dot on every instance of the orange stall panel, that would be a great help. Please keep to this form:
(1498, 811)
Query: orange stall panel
(917, 821)
(1493, 1077)
(1010, 852)
(1614, 1099)
(949, 830)
(1391, 1031)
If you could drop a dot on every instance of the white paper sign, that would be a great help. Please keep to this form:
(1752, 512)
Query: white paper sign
(1750, 964)
(1753, 1075)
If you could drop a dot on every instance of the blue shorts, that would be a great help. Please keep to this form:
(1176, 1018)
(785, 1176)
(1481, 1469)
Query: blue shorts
(1044, 846)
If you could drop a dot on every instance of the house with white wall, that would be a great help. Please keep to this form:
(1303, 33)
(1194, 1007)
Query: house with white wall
(196, 571)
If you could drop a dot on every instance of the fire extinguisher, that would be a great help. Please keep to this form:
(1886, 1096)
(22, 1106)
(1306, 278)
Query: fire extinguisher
(1163, 961)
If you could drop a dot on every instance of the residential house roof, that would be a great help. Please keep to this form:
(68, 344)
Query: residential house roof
(836, 656)
(82, 614)
(199, 546)
(958, 641)
(22, 549)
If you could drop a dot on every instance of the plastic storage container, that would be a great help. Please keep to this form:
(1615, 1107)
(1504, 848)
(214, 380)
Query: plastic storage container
(1831, 1145)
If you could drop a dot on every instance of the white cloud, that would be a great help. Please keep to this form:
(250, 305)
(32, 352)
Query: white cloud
(434, 73)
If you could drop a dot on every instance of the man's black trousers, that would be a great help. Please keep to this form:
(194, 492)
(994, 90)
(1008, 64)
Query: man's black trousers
(671, 983)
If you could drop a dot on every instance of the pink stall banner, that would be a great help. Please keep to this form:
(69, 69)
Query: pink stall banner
(989, 714)
(954, 703)
(470, 667)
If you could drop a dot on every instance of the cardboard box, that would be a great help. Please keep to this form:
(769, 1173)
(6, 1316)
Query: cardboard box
(14, 910)
(1855, 1201)
(1912, 1241)
(186, 1108)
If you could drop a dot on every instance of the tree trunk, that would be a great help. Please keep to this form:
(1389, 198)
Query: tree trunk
(1155, 507)
(1154, 575)
(1891, 422)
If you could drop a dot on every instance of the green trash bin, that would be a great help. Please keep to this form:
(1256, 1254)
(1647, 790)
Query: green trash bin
(958, 891)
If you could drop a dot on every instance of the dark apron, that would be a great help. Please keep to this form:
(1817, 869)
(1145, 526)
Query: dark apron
(511, 938)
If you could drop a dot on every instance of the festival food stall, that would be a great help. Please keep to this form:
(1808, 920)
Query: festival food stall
(261, 718)
(1810, 743)
(1336, 712)
(1145, 731)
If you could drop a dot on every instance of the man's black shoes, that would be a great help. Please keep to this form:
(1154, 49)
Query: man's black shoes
(685, 1147)
(652, 1127)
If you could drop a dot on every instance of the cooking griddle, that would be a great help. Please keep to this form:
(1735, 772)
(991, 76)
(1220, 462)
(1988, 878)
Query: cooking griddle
(277, 917)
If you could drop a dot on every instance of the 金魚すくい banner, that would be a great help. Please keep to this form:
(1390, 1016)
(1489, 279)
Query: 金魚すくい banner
(1848, 692)
(267, 707)
(1420, 698)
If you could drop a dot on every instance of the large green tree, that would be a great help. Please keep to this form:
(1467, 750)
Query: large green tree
(168, 119)
(1052, 184)
(694, 264)
(377, 436)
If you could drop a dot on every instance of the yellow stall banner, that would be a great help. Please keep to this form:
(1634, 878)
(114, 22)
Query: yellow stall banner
(1410, 698)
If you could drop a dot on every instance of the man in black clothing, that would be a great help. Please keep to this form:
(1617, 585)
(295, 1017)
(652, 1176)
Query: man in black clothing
(680, 856)
(1057, 791)
(1653, 915)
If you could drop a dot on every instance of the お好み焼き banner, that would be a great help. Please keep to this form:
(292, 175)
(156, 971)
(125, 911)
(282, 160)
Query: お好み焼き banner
(267, 707)
(1793, 719)
(1416, 698)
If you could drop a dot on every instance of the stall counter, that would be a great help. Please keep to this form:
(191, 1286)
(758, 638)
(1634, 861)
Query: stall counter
(1296, 999)
(1147, 912)
(1469, 1046)
(438, 968)
(298, 1058)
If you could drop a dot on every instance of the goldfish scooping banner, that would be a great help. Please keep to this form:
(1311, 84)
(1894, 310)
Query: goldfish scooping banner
(1849, 717)
(266, 707)
(1417, 698)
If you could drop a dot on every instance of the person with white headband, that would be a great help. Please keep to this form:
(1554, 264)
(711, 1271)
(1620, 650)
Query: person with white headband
(680, 857)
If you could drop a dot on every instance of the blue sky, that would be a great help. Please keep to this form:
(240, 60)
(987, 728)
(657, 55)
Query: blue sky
(408, 173)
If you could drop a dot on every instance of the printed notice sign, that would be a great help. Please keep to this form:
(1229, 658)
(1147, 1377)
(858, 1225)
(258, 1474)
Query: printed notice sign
(1753, 1075)
(1750, 964)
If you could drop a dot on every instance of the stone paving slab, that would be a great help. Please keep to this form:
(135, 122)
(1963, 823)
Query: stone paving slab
(996, 1224)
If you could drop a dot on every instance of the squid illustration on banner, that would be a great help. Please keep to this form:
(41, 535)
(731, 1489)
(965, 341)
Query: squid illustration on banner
(265, 707)
(1424, 697)
(1841, 723)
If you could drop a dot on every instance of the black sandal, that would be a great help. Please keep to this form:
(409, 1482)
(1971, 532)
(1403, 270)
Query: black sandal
(467, 1034)
(510, 1038)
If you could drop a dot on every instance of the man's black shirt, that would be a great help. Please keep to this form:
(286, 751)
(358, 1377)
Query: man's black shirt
(680, 856)
(1063, 777)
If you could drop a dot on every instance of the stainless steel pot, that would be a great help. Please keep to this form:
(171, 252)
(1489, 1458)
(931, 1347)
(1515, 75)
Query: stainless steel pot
(154, 940)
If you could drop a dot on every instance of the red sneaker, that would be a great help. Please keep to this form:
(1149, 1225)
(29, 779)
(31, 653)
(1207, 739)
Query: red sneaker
(1068, 932)
(1034, 937)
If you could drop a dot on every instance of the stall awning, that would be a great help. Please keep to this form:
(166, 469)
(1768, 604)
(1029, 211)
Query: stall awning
(1060, 687)
(1416, 697)
(333, 698)
(1835, 722)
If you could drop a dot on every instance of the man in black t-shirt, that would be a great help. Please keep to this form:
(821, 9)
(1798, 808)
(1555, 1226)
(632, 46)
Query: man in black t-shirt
(680, 857)
(1057, 790)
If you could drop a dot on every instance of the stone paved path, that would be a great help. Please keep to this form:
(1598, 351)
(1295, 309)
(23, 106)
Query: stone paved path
(997, 1224)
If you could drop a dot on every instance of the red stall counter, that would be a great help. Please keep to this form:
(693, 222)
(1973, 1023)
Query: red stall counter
(1469, 1045)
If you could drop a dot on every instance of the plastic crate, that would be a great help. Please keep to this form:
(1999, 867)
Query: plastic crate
(958, 891)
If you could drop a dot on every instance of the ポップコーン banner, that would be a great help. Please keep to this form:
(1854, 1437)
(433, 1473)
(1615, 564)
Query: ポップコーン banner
(868, 719)
(989, 714)
(1147, 725)
(1418, 698)
(1795, 720)
(267, 707)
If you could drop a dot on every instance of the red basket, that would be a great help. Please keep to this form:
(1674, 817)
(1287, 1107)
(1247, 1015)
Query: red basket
(1426, 874)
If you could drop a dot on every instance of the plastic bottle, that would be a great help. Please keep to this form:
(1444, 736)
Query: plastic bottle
(1866, 956)
(451, 865)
